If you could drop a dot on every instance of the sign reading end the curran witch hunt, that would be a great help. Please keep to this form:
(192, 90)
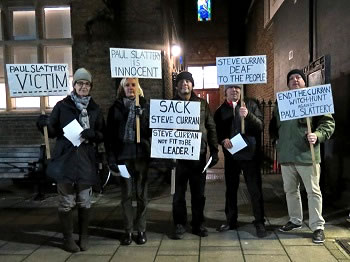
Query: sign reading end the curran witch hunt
(305, 102)
(38, 79)
(140, 63)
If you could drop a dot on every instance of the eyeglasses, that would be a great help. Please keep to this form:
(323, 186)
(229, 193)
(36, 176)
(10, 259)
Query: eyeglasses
(130, 84)
(81, 84)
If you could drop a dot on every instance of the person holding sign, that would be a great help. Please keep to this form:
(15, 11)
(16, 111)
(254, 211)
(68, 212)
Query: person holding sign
(294, 155)
(192, 170)
(123, 149)
(73, 167)
(228, 124)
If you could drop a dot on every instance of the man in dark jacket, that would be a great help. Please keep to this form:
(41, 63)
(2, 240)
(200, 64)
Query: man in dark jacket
(75, 166)
(192, 170)
(228, 124)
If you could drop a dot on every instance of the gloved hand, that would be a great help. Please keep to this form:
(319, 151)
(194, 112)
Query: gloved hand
(138, 110)
(43, 120)
(114, 168)
(88, 133)
(215, 159)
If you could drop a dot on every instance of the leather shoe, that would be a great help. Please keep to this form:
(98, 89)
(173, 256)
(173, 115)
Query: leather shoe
(200, 231)
(141, 238)
(226, 227)
(126, 239)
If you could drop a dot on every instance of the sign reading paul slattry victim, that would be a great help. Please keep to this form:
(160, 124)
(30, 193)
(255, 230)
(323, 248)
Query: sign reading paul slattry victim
(175, 144)
(305, 102)
(38, 79)
(139, 63)
(241, 70)
(174, 114)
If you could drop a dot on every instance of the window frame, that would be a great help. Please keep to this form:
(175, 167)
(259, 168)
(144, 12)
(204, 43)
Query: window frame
(40, 42)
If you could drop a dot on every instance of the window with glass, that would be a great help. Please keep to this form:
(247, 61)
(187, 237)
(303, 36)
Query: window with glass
(204, 76)
(51, 30)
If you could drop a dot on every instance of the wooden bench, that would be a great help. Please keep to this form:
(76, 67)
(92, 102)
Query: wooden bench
(22, 161)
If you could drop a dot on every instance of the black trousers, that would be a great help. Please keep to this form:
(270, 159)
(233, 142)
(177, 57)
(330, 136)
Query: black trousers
(252, 176)
(189, 171)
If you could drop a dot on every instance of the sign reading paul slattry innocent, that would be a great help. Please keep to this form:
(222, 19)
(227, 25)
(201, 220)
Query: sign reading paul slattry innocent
(305, 102)
(38, 79)
(140, 63)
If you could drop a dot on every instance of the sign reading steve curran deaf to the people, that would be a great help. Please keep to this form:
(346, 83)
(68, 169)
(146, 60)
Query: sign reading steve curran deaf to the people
(305, 102)
(174, 114)
(175, 144)
(139, 63)
(38, 79)
(241, 70)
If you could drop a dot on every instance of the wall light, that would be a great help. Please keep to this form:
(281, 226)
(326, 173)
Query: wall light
(175, 50)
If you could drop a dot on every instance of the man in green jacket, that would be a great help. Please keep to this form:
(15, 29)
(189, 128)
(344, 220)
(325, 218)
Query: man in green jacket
(294, 155)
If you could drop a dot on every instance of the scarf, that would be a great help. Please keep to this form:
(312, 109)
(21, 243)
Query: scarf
(129, 132)
(82, 103)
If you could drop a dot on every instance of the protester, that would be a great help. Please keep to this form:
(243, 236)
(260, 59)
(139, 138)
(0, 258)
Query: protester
(228, 124)
(75, 166)
(294, 155)
(122, 148)
(191, 170)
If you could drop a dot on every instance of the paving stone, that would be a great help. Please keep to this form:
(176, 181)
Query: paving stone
(179, 247)
(269, 258)
(176, 258)
(222, 254)
(15, 248)
(309, 253)
(52, 254)
(79, 257)
(135, 253)
(262, 247)
(11, 258)
(221, 239)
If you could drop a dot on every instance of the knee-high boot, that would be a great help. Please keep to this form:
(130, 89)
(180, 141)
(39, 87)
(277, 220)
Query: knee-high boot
(66, 219)
(84, 219)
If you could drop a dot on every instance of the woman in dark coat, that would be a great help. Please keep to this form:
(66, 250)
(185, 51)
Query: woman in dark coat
(77, 173)
(122, 148)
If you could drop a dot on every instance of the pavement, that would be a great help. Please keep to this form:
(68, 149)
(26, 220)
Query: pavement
(30, 231)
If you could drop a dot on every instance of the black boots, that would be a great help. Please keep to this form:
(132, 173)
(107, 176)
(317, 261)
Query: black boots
(66, 219)
(84, 219)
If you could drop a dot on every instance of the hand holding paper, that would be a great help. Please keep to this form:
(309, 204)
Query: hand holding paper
(238, 143)
(72, 132)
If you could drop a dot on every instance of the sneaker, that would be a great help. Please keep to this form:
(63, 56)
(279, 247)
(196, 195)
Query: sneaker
(179, 231)
(260, 230)
(289, 226)
(200, 231)
(318, 236)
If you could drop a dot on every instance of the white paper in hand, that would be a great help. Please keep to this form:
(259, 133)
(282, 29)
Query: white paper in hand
(124, 171)
(238, 143)
(72, 132)
(206, 166)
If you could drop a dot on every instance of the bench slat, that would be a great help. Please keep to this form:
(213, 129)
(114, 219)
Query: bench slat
(18, 154)
(19, 160)
(13, 175)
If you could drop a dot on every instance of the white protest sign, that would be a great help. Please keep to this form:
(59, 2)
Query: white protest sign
(305, 102)
(141, 63)
(176, 144)
(241, 70)
(174, 114)
(38, 79)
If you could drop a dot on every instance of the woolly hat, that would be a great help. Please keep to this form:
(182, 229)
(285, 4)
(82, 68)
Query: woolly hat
(184, 75)
(82, 74)
(231, 86)
(296, 71)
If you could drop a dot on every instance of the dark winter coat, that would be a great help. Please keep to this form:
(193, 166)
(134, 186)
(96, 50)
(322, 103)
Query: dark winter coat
(117, 149)
(206, 126)
(229, 125)
(80, 167)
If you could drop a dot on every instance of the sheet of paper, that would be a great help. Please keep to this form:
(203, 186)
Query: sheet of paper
(208, 163)
(238, 143)
(124, 171)
(72, 132)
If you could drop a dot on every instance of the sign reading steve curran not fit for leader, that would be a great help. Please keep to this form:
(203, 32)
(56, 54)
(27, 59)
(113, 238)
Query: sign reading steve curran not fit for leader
(305, 102)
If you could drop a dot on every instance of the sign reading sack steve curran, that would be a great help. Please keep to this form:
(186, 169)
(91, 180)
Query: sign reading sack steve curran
(141, 63)
(37, 79)
(241, 70)
(175, 144)
(305, 102)
(174, 114)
